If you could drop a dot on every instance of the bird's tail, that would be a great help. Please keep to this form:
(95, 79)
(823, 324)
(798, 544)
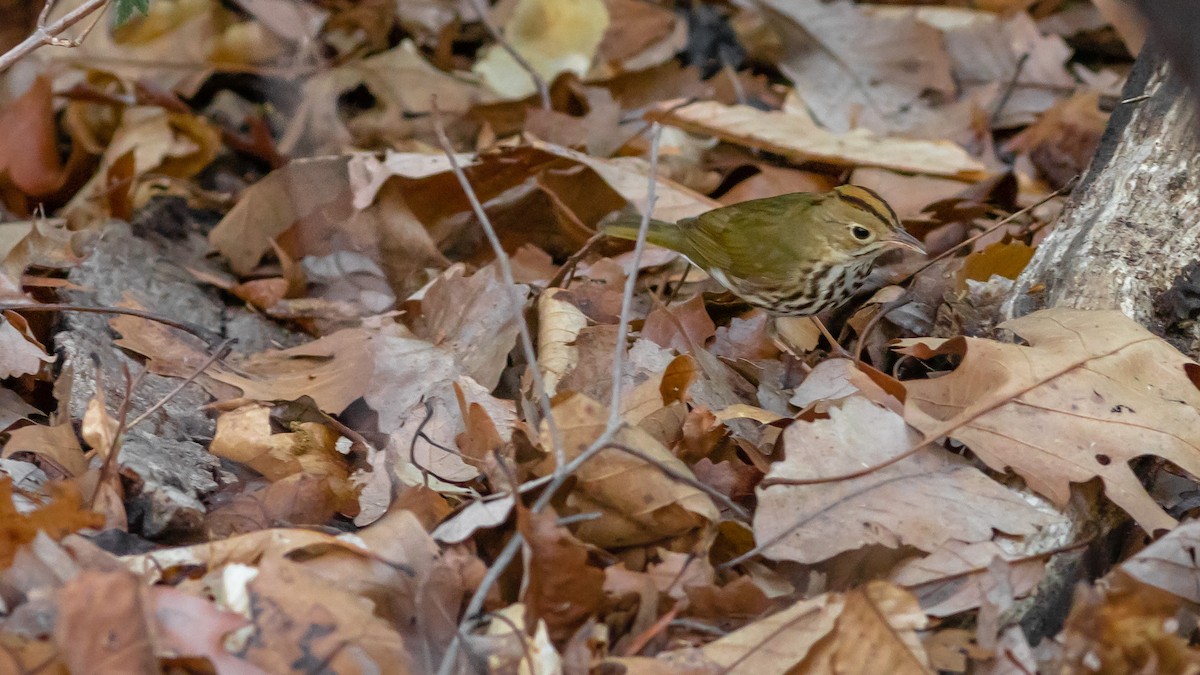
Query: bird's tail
(659, 232)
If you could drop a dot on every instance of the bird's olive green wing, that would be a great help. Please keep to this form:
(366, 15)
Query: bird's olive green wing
(760, 239)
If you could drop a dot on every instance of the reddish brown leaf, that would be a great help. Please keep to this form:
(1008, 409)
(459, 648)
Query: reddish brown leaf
(563, 589)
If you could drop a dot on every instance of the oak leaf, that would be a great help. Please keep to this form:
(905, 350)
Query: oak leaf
(1092, 391)
(920, 501)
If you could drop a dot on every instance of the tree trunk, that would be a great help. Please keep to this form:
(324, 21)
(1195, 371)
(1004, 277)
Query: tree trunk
(1130, 229)
(1134, 221)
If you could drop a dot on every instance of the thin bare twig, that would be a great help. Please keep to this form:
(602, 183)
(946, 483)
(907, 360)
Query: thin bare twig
(542, 88)
(48, 34)
(614, 410)
(502, 260)
(222, 350)
(198, 331)
(562, 471)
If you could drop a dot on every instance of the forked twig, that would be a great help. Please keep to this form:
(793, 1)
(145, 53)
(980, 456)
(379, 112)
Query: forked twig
(563, 472)
(502, 260)
(48, 34)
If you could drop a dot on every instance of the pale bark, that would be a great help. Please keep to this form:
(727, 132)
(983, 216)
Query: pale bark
(1134, 221)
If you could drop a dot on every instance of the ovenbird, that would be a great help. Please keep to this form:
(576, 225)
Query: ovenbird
(794, 255)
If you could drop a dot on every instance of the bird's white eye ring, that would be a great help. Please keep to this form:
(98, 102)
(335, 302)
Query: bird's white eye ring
(860, 233)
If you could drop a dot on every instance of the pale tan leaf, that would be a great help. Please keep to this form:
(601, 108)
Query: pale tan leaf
(798, 139)
(629, 177)
(1092, 391)
(554, 36)
(559, 323)
(921, 501)
(98, 428)
(56, 443)
(948, 580)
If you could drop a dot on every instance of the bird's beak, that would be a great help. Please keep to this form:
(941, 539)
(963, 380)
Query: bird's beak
(905, 240)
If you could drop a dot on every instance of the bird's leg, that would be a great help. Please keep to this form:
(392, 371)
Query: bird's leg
(676, 287)
(833, 343)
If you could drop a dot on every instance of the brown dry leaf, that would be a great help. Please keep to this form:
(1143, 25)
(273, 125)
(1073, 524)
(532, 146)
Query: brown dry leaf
(800, 140)
(1091, 392)
(1124, 627)
(334, 370)
(475, 318)
(298, 499)
(779, 643)
(44, 242)
(56, 444)
(188, 625)
(561, 589)
(248, 549)
(641, 35)
(920, 501)
(681, 327)
(28, 143)
(438, 412)
(1061, 143)
(746, 337)
(313, 192)
(58, 518)
(880, 615)
(637, 502)
(907, 194)
(301, 616)
(244, 435)
(402, 85)
(771, 181)
(856, 70)
(103, 624)
(553, 36)
(868, 630)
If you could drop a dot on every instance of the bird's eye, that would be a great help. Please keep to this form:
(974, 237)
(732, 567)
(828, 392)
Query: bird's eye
(860, 233)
